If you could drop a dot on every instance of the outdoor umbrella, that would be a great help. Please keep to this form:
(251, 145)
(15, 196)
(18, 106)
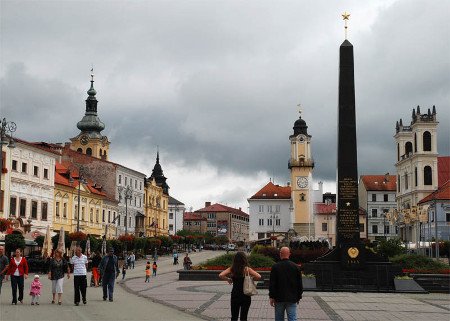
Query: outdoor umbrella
(61, 241)
(47, 246)
(104, 247)
(73, 245)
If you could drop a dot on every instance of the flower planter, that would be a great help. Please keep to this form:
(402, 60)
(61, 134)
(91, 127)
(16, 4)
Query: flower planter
(309, 283)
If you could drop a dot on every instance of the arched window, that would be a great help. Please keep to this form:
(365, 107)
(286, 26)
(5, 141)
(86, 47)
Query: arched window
(101, 152)
(398, 152)
(80, 150)
(415, 143)
(427, 141)
(408, 148)
(89, 151)
(406, 180)
(427, 176)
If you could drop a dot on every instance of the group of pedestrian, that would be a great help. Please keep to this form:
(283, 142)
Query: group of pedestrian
(285, 287)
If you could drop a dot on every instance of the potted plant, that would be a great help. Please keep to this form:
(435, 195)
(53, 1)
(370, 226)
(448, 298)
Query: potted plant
(309, 281)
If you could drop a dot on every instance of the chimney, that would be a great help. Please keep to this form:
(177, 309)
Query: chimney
(240, 208)
(207, 204)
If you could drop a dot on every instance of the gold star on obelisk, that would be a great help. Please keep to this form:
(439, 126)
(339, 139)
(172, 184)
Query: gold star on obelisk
(345, 17)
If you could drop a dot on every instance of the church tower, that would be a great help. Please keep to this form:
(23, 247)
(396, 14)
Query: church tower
(301, 165)
(90, 141)
(158, 176)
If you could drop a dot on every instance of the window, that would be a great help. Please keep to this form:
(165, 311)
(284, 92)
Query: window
(324, 227)
(398, 183)
(120, 179)
(24, 167)
(261, 208)
(89, 151)
(269, 222)
(374, 197)
(427, 176)
(131, 182)
(406, 181)
(302, 197)
(46, 173)
(170, 216)
(277, 222)
(408, 148)
(126, 180)
(80, 150)
(277, 208)
(35, 171)
(23, 207)
(129, 221)
(415, 176)
(109, 216)
(447, 217)
(65, 210)
(170, 227)
(374, 229)
(261, 222)
(44, 211)
(57, 209)
(13, 206)
(361, 227)
(140, 202)
(34, 209)
(269, 208)
(76, 212)
(140, 186)
(82, 213)
(386, 229)
(211, 216)
(14, 165)
(118, 220)
(260, 236)
(426, 141)
(386, 197)
(398, 152)
(97, 212)
(415, 142)
(103, 216)
(374, 212)
(135, 184)
(135, 201)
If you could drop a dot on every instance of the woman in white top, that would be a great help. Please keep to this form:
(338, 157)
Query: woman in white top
(18, 270)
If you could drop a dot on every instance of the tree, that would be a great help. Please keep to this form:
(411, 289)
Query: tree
(13, 242)
(40, 240)
(4, 224)
(391, 247)
(220, 240)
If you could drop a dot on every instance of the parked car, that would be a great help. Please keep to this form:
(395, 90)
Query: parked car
(231, 247)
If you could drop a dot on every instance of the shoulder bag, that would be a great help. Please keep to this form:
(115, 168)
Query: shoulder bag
(249, 284)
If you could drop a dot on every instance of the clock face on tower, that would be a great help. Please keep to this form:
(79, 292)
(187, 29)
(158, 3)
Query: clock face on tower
(84, 139)
(302, 182)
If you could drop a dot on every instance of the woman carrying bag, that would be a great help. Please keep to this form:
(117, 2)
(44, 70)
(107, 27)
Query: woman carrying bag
(236, 274)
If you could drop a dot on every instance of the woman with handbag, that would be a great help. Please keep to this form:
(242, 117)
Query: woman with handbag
(238, 274)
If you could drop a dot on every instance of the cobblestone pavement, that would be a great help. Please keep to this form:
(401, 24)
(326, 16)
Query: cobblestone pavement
(209, 300)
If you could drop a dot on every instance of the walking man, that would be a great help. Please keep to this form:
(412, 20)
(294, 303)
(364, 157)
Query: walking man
(133, 259)
(4, 263)
(109, 268)
(285, 287)
(80, 263)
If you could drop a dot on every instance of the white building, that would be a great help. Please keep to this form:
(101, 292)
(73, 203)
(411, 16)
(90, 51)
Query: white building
(270, 211)
(130, 188)
(376, 195)
(176, 211)
(30, 186)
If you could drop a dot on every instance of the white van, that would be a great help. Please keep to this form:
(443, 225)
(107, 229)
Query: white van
(231, 247)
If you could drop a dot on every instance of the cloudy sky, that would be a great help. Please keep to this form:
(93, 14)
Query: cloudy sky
(216, 83)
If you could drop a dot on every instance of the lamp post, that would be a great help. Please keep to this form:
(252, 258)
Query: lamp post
(80, 181)
(6, 128)
(128, 195)
(175, 224)
(273, 217)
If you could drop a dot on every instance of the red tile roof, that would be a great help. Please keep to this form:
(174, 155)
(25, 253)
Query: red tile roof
(272, 191)
(379, 183)
(330, 209)
(192, 216)
(443, 170)
(442, 193)
(221, 208)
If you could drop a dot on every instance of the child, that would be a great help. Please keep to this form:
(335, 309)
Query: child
(155, 267)
(35, 290)
(147, 272)
(124, 271)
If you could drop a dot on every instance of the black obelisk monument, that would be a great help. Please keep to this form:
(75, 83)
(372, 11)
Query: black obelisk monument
(347, 220)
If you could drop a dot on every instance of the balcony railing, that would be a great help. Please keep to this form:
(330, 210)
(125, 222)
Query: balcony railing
(300, 162)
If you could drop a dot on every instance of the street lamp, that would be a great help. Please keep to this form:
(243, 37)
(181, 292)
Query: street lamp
(6, 128)
(81, 180)
(128, 195)
(273, 217)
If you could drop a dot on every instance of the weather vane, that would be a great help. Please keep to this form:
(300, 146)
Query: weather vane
(92, 72)
(345, 17)
(299, 109)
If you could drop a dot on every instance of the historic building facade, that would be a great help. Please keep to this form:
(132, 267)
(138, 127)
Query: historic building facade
(301, 165)
(376, 195)
(175, 219)
(270, 212)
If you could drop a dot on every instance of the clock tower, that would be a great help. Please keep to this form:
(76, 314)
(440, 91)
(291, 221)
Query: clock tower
(301, 165)
(90, 140)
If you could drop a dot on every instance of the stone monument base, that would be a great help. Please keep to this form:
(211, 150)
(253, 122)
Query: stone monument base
(376, 275)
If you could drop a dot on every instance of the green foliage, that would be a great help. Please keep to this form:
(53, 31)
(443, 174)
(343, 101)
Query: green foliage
(55, 240)
(258, 260)
(140, 243)
(391, 247)
(166, 241)
(444, 248)
(418, 262)
(40, 240)
(221, 240)
(254, 260)
(13, 242)
(116, 244)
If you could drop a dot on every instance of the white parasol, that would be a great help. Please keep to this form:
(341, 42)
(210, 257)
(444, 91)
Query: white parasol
(61, 241)
(47, 246)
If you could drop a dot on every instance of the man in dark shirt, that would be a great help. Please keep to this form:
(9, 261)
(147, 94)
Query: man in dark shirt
(109, 268)
(4, 262)
(285, 288)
